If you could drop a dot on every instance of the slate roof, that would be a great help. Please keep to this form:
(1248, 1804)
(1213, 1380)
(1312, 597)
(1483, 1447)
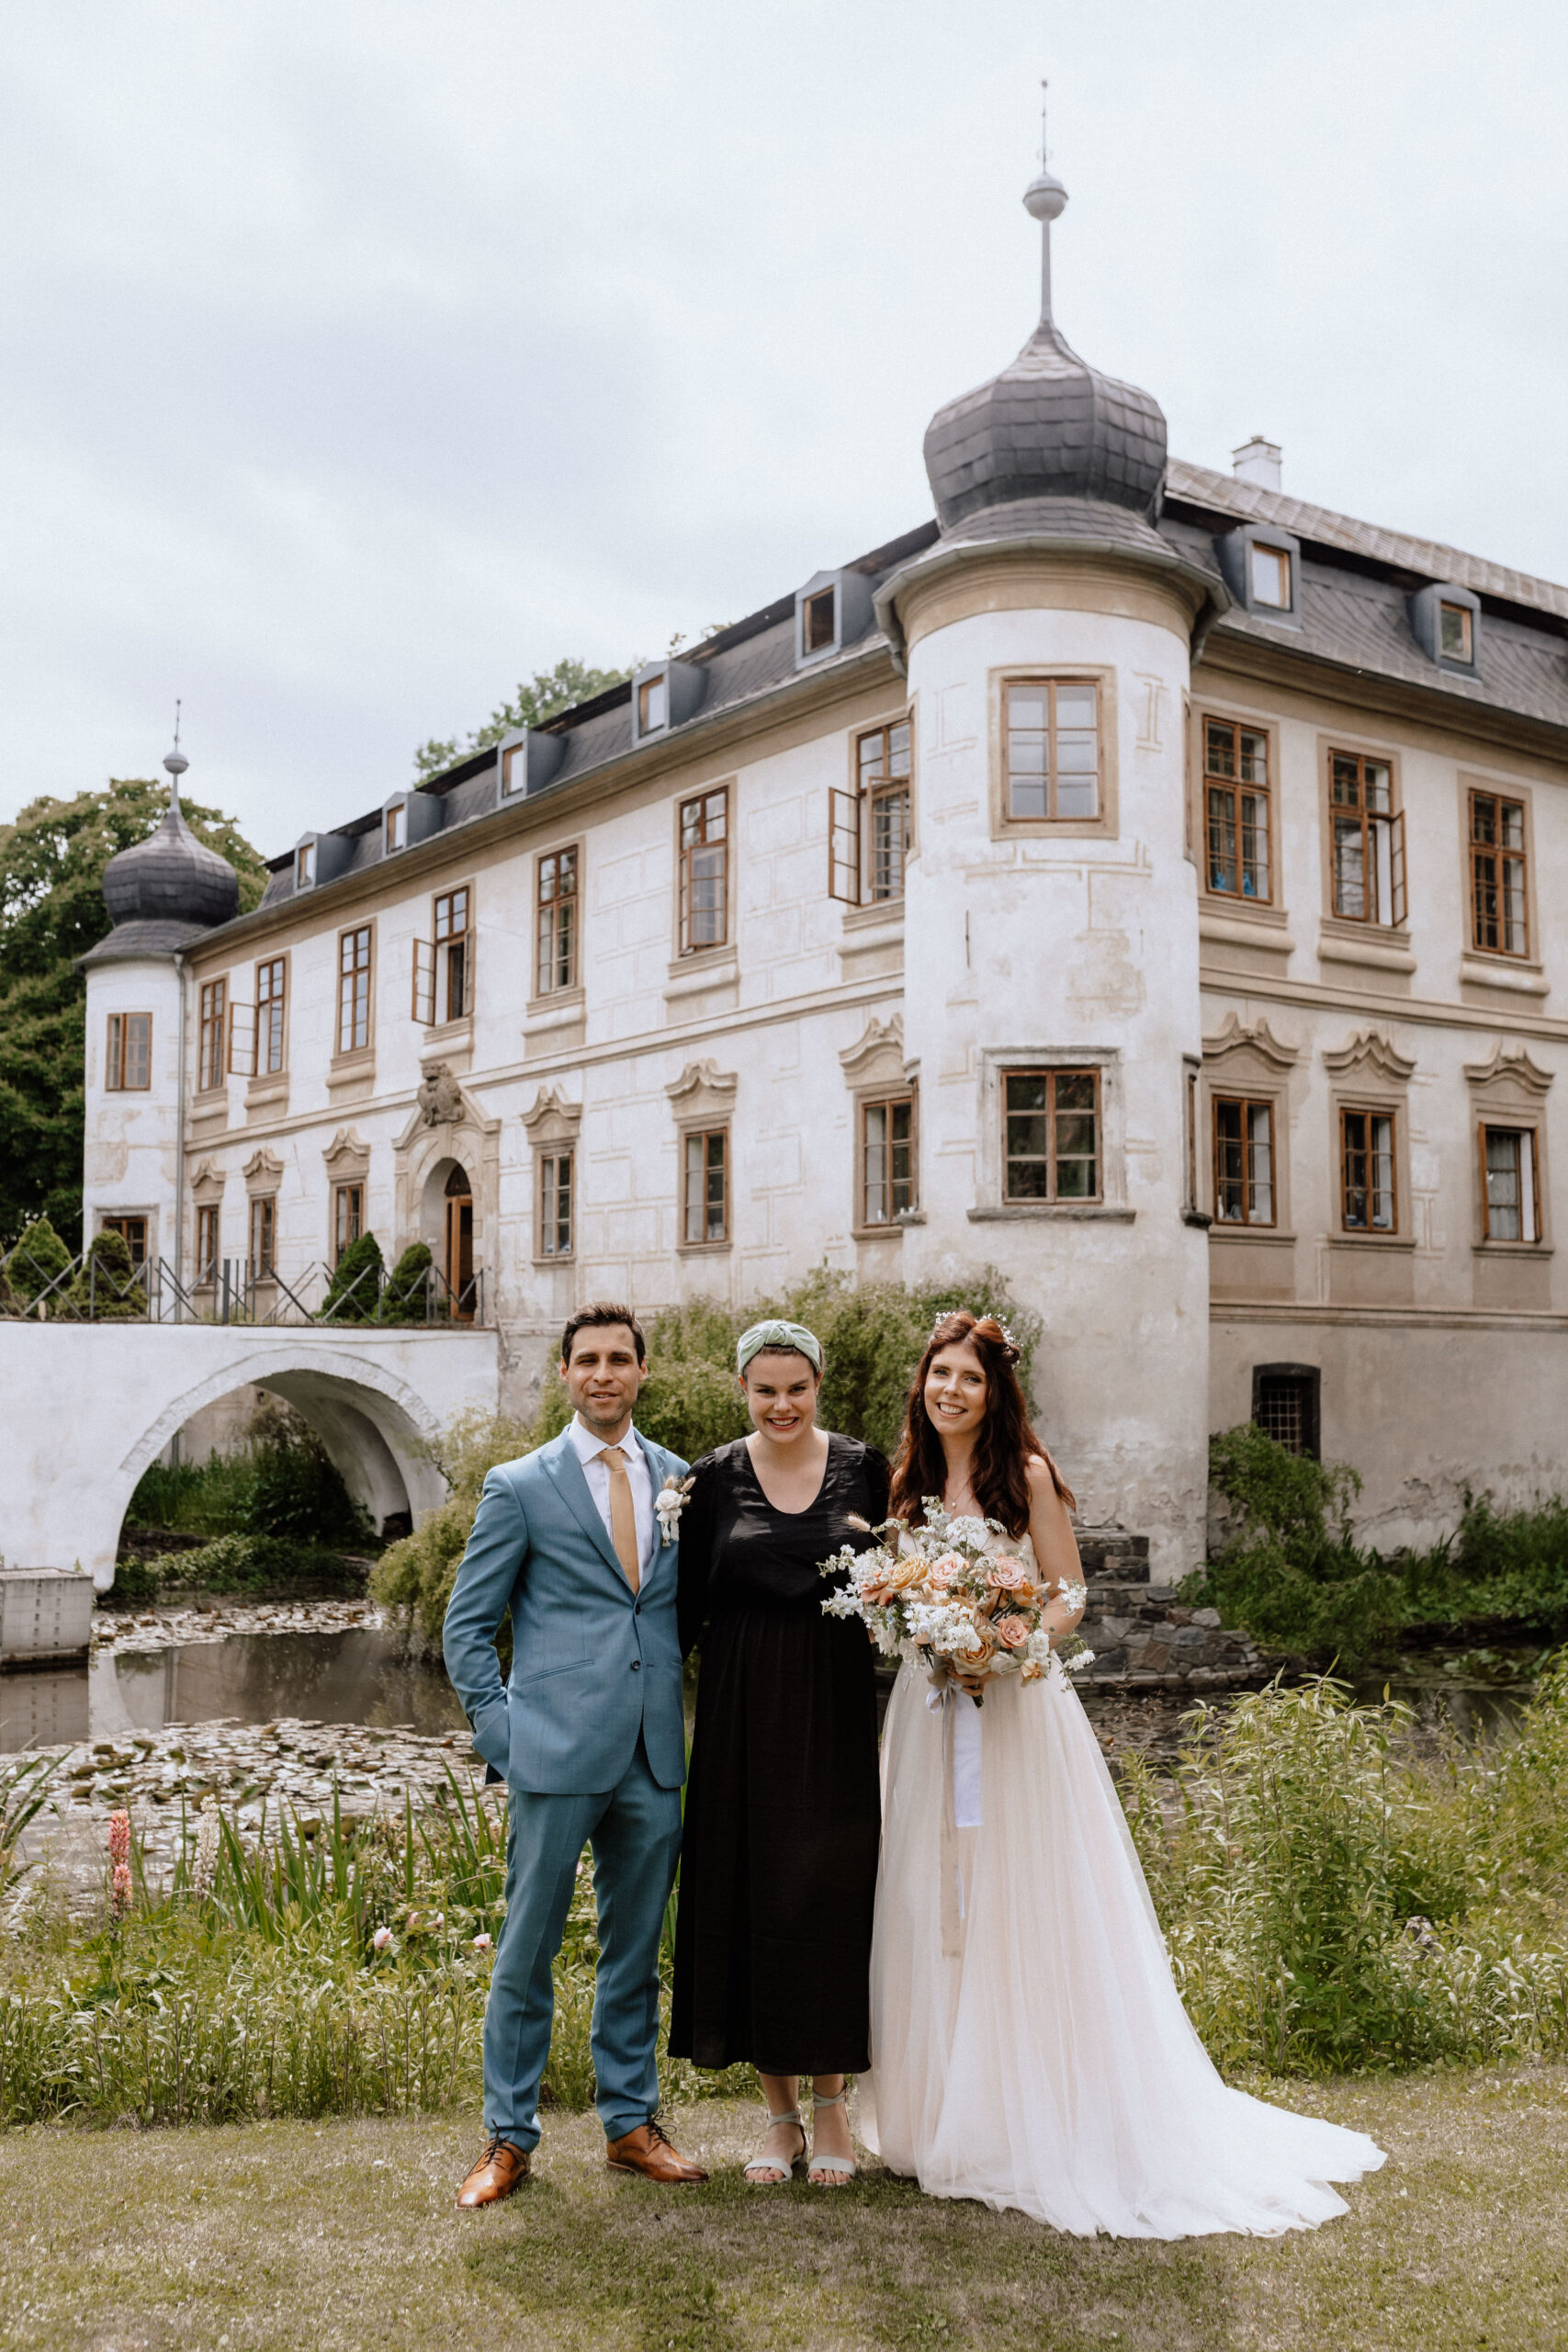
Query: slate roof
(170, 877)
(1048, 426)
(1356, 580)
(127, 942)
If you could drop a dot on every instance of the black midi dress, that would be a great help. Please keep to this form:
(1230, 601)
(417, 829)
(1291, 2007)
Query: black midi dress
(778, 1863)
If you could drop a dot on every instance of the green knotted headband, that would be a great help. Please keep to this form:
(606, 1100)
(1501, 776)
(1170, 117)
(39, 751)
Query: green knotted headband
(789, 1338)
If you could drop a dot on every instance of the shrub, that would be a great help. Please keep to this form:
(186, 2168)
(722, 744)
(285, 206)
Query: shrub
(1332, 1903)
(36, 1263)
(1294, 1576)
(261, 1566)
(406, 1297)
(107, 1287)
(281, 1482)
(1288, 1576)
(873, 1333)
(354, 1292)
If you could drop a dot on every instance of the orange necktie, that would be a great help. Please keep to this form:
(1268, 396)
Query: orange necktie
(623, 1513)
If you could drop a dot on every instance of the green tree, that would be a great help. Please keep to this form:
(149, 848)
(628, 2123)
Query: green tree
(51, 910)
(551, 690)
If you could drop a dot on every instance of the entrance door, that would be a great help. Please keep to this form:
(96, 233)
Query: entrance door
(461, 1284)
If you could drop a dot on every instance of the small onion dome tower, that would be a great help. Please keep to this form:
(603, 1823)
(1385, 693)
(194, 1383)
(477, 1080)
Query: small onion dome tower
(171, 881)
(1049, 427)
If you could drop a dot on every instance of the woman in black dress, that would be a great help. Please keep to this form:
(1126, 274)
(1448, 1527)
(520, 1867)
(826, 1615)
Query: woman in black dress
(778, 1865)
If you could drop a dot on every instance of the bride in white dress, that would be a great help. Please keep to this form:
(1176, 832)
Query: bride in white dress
(1029, 2045)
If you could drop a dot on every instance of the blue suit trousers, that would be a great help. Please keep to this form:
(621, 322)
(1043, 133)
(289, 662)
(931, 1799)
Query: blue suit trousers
(634, 1832)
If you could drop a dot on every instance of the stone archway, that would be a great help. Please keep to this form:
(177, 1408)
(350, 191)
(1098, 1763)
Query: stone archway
(96, 1403)
(446, 1133)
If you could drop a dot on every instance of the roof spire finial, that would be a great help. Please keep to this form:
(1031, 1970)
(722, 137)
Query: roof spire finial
(177, 763)
(1043, 199)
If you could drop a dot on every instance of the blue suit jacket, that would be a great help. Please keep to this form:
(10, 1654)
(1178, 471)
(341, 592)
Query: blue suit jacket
(591, 1664)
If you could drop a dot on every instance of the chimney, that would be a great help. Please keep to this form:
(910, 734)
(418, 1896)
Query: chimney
(1258, 462)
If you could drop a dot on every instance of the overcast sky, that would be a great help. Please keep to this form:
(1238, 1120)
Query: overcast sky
(361, 357)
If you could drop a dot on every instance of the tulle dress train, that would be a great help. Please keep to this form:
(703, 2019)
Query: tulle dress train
(1029, 2046)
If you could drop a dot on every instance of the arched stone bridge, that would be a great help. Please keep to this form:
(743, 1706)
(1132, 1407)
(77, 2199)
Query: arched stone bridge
(89, 1406)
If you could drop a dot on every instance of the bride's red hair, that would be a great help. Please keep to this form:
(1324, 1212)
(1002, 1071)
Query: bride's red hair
(1005, 1442)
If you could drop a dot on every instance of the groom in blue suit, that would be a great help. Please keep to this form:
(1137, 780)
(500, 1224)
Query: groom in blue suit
(590, 1737)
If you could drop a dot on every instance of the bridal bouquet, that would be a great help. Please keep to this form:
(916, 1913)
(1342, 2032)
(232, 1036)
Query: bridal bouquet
(935, 1593)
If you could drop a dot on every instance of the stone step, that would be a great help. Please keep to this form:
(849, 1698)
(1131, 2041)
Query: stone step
(1109, 1553)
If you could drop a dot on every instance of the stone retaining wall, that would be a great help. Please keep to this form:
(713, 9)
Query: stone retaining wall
(1142, 1637)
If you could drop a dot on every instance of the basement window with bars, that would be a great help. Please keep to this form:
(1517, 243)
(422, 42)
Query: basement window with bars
(1287, 1406)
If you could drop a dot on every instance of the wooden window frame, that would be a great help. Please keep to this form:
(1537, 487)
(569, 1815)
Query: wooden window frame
(1284, 556)
(688, 850)
(452, 935)
(547, 983)
(1467, 618)
(1512, 1122)
(1501, 853)
(1245, 1102)
(888, 1099)
(547, 1195)
(1052, 1075)
(853, 815)
(272, 1015)
(261, 1264)
(212, 1034)
(121, 1056)
(1370, 1232)
(348, 1212)
(703, 1138)
(349, 998)
(1052, 820)
(1347, 813)
(645, 690)
(208, 1243)
(813, 638)
(395, 828)
(1236, 785)
(305, 862)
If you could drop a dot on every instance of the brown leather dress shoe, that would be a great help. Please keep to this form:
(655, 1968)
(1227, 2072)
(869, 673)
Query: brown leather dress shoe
(649, 2152)
(496, 2175)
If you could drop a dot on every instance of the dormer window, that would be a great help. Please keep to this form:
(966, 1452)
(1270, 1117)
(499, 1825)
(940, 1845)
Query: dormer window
(652, 705)
(397, 827)
(305, 866)
(514, 770)
(1456, 633)
(818, 623)
(1262, 567)
(1445, 621)
(665, 695)
(1270, 580)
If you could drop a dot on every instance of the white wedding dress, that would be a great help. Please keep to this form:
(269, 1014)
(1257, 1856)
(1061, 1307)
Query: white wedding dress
(1029, 2046)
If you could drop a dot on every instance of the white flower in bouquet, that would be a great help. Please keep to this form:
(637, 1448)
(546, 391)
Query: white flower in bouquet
(941, 1592)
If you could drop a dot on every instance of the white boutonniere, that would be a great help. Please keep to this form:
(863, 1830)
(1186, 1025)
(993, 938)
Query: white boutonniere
(669, 1502)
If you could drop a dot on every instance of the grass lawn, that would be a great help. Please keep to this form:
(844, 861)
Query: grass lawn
(345, 2234)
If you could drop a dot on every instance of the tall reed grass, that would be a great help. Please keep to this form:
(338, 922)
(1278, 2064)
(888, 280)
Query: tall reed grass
(1334, 1899)
(339, 1970)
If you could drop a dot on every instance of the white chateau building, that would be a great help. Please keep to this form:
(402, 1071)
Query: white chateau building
(1133, 878)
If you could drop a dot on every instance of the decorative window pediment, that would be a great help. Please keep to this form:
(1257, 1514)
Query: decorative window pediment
(1237, 1037)
(1373, 1054)
(207, 1182)
(878, 1059)
(552, 1120)
(702, 1092)
(263, 1170)
(1510, 1073)
(347, 1156)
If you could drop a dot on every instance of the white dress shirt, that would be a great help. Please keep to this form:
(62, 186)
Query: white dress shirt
(597, 1473)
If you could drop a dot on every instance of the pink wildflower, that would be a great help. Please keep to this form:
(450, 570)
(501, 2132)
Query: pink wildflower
(381, 1939)
(483, 1943)
(119, 1838)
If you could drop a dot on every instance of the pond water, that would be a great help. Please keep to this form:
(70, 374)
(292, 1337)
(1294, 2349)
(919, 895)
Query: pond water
(363, 1676)
(360, 1676)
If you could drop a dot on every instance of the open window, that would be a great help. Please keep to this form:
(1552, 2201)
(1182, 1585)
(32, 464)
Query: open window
(871, 829)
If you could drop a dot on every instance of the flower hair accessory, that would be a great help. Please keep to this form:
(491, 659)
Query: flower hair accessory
(1009, 1345)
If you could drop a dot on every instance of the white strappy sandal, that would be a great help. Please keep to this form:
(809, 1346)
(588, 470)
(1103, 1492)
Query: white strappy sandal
(775, 2172)
(843, 2168)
